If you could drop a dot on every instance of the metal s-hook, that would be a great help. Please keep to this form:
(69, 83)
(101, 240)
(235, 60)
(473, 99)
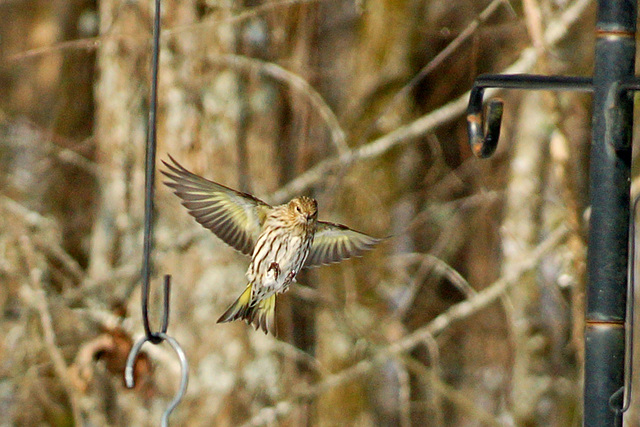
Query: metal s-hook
(485, 132)
(150, 162)
(184, 368)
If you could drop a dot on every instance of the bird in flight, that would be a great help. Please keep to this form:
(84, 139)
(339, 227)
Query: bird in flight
(281, 240)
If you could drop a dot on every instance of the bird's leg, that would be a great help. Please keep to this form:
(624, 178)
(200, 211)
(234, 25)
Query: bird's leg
(291, 277)
(276, 269)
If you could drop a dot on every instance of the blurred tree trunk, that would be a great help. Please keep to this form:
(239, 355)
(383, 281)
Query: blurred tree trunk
(197, 122)
(47, 188)
(71, 250)
(46, 109)
(521, 233)
(360, 65)
(536, 309)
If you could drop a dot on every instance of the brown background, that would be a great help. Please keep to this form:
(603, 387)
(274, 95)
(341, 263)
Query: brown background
(359, 100)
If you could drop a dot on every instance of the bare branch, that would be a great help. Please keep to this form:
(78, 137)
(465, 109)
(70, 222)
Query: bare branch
(46, 245)
(443, 54)
(429, 122)
(404, 395)
(454, 314)
(431, 344)
(35, 296)
(92, 43)
(457, 398)
(279, 73)
(30, 217)
(533, 19)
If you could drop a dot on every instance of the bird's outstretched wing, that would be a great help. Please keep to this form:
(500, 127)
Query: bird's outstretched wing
(335, 242)
(234, 217)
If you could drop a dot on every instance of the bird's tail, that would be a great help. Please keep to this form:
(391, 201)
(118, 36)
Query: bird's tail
(261, 314)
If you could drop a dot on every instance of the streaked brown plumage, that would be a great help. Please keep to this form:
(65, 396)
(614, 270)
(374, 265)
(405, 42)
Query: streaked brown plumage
(281, 240)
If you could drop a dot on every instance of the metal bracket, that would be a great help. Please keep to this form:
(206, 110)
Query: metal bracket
(483, 140)
(484, 134)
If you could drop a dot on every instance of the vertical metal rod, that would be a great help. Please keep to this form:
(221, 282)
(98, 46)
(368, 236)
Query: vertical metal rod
(609, 193)
(150, 169)
(620, 401)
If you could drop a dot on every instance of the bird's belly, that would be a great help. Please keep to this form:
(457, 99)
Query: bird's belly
(272, 264)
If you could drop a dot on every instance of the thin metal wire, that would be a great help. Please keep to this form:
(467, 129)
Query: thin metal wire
(149, 188)
(150, 162)
(625, 390)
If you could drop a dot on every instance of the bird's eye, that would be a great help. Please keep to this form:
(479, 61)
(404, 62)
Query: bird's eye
(298, 209)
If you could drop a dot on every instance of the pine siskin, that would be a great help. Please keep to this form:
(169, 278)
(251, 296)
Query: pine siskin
(280, 239)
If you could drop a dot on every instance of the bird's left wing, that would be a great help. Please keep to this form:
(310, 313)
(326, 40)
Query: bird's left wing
(234, 217)
(335, 242)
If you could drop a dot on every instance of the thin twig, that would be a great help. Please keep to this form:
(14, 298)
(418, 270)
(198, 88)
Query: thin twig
(457, 398)
(298, 83)
(240, 17)
(42, 223)
(35, 296)
(92, 43)
(404, 395)
(429, 122)
(294, 353)
(454, 314)
(56, 252)
(430, 264)
(471, 28)
(533, 20)
(431, 344)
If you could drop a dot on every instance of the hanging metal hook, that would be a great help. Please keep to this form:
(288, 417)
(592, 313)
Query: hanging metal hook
(483, 144)
(150, 162)
(150, 174)
(484, 133)
(184, 368)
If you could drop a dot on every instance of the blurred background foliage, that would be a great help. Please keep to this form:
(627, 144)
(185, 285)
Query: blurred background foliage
(469, 315)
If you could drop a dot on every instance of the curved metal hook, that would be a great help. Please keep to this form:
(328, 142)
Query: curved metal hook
(154, 337)
(483, 145)
(184, 368)
(484, 134)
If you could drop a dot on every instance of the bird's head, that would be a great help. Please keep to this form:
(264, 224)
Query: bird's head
(304, 209)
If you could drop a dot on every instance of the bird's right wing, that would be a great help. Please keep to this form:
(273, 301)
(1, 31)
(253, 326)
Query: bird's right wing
(234, 217)
(335, 242)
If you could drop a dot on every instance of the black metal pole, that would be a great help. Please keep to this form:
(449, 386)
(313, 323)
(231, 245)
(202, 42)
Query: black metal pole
(609, 193)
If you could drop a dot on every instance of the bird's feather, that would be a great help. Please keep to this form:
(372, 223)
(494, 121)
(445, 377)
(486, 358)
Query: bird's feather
(335, 242)
(261, 313)
(234, 217)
